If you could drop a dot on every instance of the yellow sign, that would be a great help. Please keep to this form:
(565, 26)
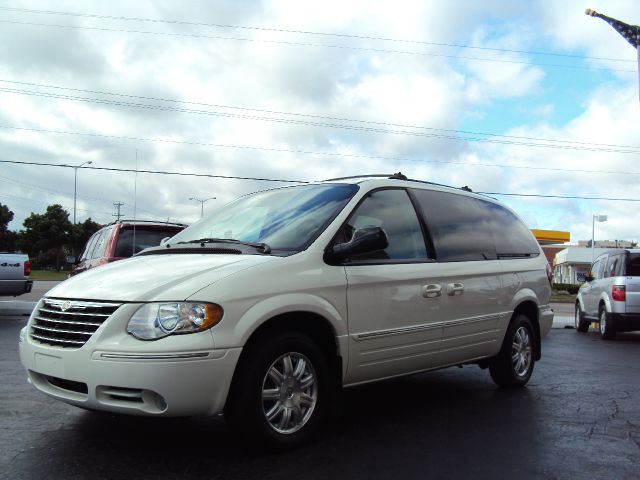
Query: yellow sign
(547, 237)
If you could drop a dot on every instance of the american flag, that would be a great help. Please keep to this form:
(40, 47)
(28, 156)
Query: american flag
(631, 33)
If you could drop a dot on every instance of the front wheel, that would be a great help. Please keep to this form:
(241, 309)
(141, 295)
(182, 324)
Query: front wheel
(513, 366)
(580, 323)
(280, 393)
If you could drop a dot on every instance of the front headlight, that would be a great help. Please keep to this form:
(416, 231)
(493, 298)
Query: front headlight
(158, 320)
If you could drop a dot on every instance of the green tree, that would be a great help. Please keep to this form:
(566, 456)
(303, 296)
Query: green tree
(81, 234)
(8, 238)
(46, 235)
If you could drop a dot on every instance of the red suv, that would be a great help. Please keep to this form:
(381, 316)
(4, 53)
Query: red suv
(123, 239)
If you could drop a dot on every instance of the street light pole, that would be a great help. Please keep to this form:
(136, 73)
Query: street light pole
(596, 218)
(75, 185)
(202, 202)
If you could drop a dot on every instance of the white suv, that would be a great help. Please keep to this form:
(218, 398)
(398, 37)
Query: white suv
(611, 294)
(265, 308)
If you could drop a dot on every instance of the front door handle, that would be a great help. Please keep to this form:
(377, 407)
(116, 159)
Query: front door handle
(431, 291)
(454, 289)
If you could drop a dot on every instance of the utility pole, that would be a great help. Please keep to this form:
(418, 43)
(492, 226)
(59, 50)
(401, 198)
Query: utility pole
(117, 214)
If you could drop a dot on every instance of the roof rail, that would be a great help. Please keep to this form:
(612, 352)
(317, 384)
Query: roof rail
(371, 175)
(398, 176)
(124, 220)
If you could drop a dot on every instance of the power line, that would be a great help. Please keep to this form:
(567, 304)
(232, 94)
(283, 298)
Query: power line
(164, 172)
(296, 114)
(568, 197)
(306, 44)
(160, 172)
(306, 32)
(330, 154)
(34, 200)
(66, 194)
(556, 145)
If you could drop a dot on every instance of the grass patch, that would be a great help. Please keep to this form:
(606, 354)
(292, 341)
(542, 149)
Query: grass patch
(563, 297)
(48, 275)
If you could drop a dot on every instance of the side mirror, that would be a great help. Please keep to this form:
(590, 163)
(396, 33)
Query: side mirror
(588, 277)
(364, 240)
(164, 240)
(71, 259)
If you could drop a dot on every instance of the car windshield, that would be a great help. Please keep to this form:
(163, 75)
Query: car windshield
(286, 219)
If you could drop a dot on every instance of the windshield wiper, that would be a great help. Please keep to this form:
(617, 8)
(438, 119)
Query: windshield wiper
(261, 247)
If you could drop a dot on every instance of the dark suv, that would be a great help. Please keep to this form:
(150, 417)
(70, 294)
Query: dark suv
(123, 239)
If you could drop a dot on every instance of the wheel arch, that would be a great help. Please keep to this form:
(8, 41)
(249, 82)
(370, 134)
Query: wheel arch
(312, 324)
(604, 302)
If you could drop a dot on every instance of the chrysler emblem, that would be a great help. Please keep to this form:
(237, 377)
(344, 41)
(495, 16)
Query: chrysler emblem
(65, 306)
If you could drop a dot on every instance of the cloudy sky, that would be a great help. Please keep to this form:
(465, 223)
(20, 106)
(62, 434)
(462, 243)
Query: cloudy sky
(524, 97)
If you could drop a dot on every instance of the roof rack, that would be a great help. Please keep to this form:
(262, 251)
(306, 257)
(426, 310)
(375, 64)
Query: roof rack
(124, 220)
(397, 176)
(371, 175)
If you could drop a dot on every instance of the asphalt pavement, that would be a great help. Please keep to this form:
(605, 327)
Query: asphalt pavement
(579, 418)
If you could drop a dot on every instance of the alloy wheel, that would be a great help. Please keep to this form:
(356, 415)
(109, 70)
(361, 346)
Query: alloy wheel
(521, 352)
(289, 393)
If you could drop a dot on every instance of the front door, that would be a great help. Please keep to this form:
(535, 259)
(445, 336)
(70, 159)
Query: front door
(393, 296)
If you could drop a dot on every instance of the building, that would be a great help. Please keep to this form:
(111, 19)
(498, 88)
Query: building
(573, 263)
(607, 244)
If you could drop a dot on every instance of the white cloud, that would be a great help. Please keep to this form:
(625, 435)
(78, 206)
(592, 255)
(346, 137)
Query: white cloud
(430, 90)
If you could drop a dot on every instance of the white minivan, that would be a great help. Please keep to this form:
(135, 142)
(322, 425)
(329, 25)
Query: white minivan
(264, 309)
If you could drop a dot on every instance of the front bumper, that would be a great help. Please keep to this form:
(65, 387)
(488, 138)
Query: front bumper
(179, 375)
(545, 318)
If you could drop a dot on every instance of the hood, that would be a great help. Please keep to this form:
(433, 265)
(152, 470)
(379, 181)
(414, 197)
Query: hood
(154, 277)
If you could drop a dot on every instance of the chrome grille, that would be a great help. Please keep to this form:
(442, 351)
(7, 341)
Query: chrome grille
(68, 323)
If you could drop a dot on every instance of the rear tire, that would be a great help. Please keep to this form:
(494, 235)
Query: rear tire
(581, 324)
(281, 392)
(607, 328)
(513, 366)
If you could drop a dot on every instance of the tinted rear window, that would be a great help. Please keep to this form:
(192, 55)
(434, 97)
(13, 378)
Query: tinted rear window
(633, 268)
(143, 237)
(512, 238)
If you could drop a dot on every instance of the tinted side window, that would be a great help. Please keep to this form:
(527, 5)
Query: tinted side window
(460, 229)
(614, 265)
(602, 267)
(599, 267)
(393, 211)
(512, 238)
(595, 268)
(101, 241)
(89, 247)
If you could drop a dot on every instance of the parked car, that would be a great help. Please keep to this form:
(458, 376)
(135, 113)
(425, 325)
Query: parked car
(123, 239)
(266, 308)
(14, 274)
(611, 294)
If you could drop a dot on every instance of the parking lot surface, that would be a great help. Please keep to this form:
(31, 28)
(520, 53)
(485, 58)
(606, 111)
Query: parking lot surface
(578, 418)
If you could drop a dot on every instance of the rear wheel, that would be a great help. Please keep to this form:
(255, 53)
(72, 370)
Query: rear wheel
(281, 392)
(607, 329)
(581, 324)
(513, 366)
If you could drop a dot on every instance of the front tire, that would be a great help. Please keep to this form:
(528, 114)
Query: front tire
(280, 393)
(513, 366)
(580, 323)
(607, 329)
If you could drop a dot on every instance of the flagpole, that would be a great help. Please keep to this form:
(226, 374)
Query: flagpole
(625, 30)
